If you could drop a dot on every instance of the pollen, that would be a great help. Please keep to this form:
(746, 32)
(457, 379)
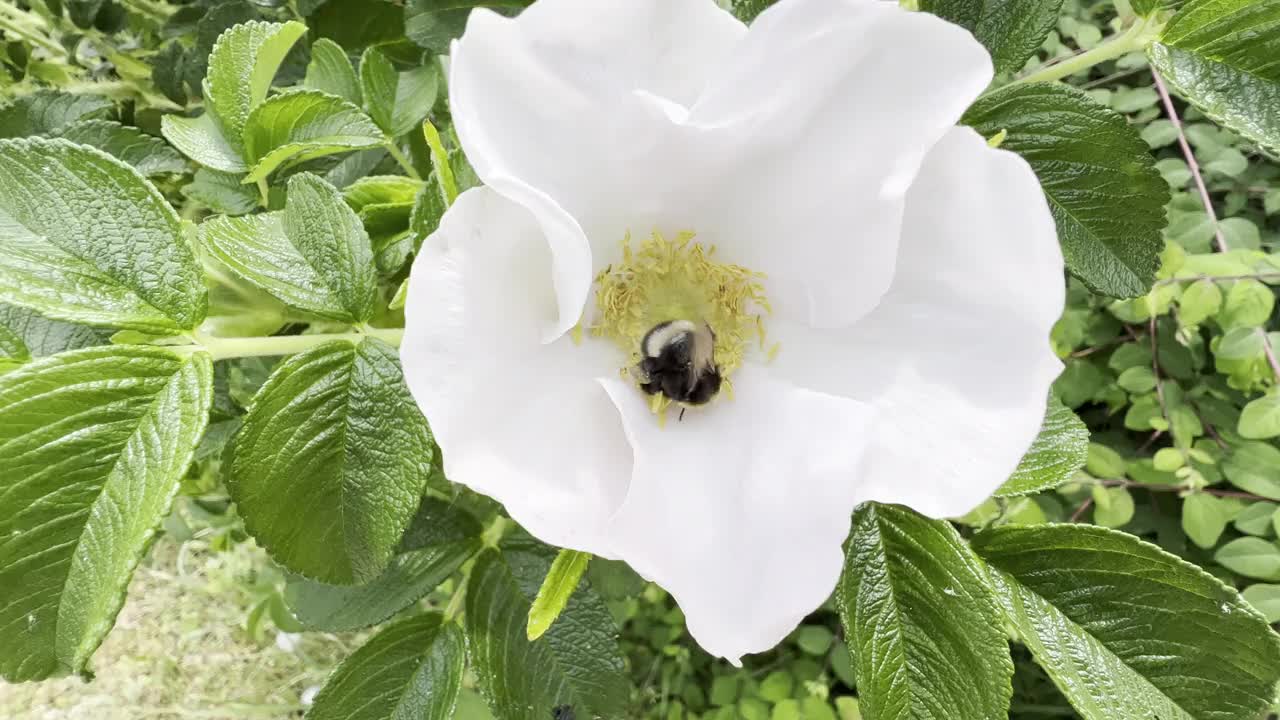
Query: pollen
(661, 280)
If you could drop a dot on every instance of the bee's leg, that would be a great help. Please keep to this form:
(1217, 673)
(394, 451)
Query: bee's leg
(681, 418)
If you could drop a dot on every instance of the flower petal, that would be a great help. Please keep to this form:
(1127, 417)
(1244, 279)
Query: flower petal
(739, 510)
(574, 97)
(835, 103)
(956, 358)
(517, 419)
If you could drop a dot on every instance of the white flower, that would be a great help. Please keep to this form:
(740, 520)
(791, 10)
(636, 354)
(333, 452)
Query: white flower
(911, 277)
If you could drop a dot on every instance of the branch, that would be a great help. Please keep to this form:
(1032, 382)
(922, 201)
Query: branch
(1191, 159)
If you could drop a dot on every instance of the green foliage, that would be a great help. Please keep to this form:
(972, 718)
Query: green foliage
(336, 512)
(1188, 647)
(93, 443)
(562, 579)
(1102, 187)
(411, 669)
(1011, 29)
(920, 620)
(1058, 452)
(433, 24)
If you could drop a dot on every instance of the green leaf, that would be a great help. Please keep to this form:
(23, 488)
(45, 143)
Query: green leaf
(45, 112)
(411, 669)
(329, 235)
(202, 140)
(1056, 454)
(1103, 189)
(43, 336)
(1200, 301)
(147, 154)
(1204, 517)
(1011, 29)
(1127, 630)
(93, 443)
(330, 71)
(1256, 518)
(575, 663)
(1252, 557)
(1220, 55)
(1265, 599)
(222, 192)
(396, 101)
(748, 10)
(314, 256)
(1113, 506)
(434, 24)
(85, 238)
(442, 174)
(331, 461)
(920, 620)
(242, 65)
(1260, 419)
(441, 538)
(1248, 304)
(1254, 467)
(302, 125)
(381, 190)
(562, 579)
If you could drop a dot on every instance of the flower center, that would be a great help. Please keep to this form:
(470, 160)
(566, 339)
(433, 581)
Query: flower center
(684, 319)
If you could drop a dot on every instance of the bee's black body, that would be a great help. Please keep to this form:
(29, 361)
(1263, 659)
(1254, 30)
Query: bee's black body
(677, 360)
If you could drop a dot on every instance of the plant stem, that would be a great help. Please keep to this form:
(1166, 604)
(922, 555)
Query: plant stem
(1196, 278)
(264, 193)
(1137, 37)
(228, 348)
(32, 36)
(404, 161)
(1190, 156)
(1271, 354)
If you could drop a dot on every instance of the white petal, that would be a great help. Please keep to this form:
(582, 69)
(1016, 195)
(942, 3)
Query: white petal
(574, 98)
(834, 104)
(739, 510)
(957, 357)
(517, 419)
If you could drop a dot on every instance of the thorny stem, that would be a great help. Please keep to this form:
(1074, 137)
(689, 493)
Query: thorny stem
(1137, 37)
(228, 348)
(404, 161)
(1194, 166)
(1271, 354)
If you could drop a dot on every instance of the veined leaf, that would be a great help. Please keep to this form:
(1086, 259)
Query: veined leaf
(396, 101)
(1103, 189)
(1011, 29)
(43, 336)
(46, 112)
(434, 24)
(330, 71)
(331, 461)
(441, 538)
(222, 192)
(381, 190)
(562, 579)
(201, 139)
(242, 65)
(93, 443)
(84, 237)
(13, 351)
(147, 154)
(921, 622)
(301, 125)
(1056, 454)
(1127, 630)
(411, 669)
(1221, 55)
(575, 663)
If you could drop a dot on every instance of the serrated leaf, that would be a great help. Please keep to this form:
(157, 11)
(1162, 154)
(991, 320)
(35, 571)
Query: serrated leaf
(43, 336)
(396, 101)
(201, 139)
(1254, 467)
(329, 235)
(1260, 418)
(222, 192)
(331, 462)
(1056, 454)
(85, 238)
(330, 71)
(47, 111)
(1126, 630)
(93, 443)
(1220, 55)
(411, 669)
(434, 24)
(562, 579)
(242, 65)
(575, 663)
(1106, 196)
(1252, 557)
(920, 620)
(302, 125)
(381, 190)
(441, 538)
(148, 154)
(1012, 30)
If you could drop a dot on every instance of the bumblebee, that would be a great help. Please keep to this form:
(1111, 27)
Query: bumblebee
(677, 359)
